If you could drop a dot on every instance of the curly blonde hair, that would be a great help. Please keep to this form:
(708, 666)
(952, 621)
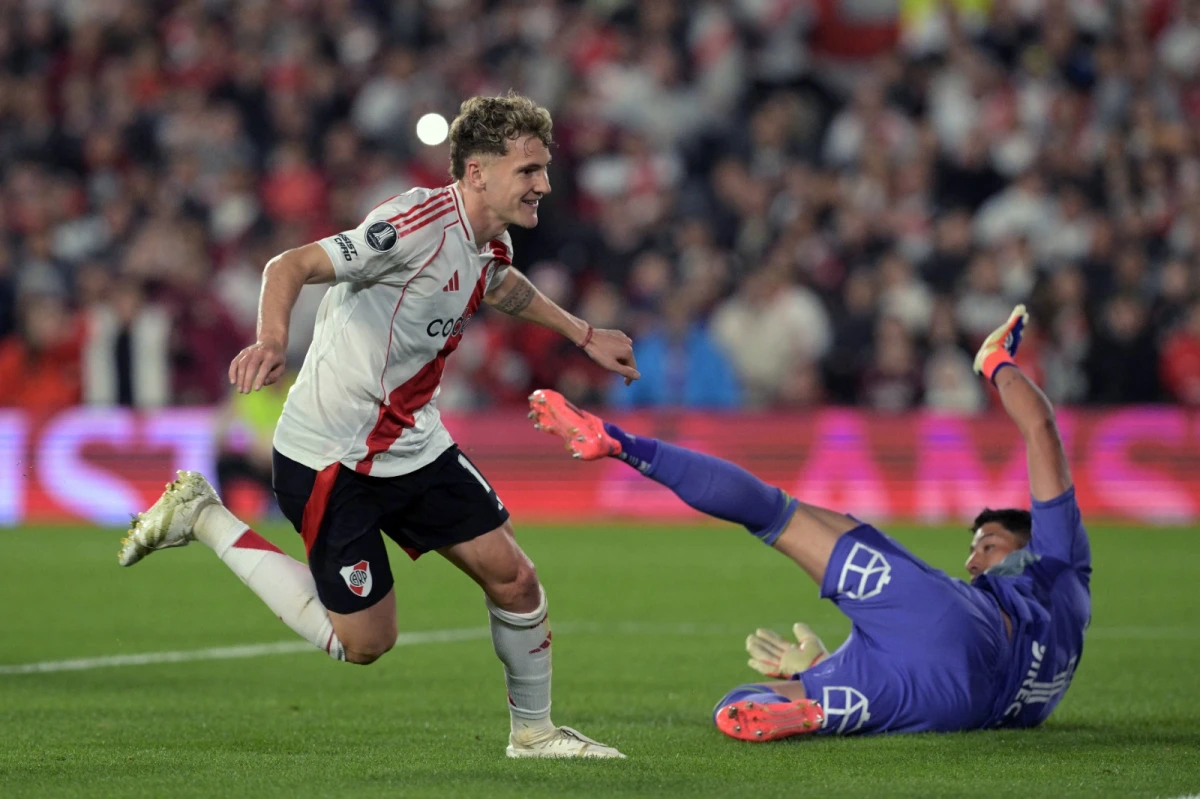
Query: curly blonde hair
(486, 125)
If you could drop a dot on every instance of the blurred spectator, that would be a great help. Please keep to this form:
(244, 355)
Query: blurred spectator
(966, 177)
(867, 123)
(879, 161)
(1062, 305)
(770, 328)
(853, 333)
(1122, 362)
(982, 306)
(892, 381)
(1022, 209)
(294, 190)
(803, 387)
(1176, 286)
(205, 337)
(8, 295)
(680, 364)
(952, 250)
(951, 385)
(902, 295)
(39, 364)
(126, 357)
(1180, 367)
(1069, 237)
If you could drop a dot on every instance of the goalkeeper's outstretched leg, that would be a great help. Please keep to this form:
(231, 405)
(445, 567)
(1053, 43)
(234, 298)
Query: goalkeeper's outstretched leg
(805, 533)
(924, 650)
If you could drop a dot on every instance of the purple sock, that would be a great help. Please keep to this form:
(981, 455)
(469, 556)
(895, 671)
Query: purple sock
(710, 485)
(637, 452)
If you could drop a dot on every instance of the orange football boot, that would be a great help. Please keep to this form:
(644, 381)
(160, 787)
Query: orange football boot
(748, 720)
(583, 432)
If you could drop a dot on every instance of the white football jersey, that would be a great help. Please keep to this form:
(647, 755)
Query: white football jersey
(409, 279)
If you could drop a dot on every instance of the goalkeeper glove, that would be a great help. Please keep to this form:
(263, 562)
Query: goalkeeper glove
(774, 656)
(999, 348)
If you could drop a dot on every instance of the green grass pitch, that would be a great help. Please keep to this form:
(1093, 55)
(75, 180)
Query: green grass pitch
(649, 629)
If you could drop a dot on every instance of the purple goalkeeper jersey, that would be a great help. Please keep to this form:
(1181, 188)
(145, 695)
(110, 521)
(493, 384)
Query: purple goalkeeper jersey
(1044, 589)
(928, 652)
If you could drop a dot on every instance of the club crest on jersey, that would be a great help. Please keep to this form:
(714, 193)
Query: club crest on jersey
(358, 577)
(846, 709)
(381, 236)
(864, 573)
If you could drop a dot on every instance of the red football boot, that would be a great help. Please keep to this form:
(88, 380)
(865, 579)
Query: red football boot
(754, 721)
(583, 432)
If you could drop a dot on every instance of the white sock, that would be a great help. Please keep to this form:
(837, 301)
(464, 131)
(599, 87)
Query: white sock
(522, 642)
(285, 584)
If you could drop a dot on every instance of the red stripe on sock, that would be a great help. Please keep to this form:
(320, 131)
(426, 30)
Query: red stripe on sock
(252, 540)
(329, 643)
(318, 500)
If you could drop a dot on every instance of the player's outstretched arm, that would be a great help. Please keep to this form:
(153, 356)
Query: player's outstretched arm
(1028, 407)
(1049, 473)
(517, 296)
(263, 362)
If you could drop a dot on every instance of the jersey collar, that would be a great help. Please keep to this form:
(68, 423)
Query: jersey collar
(461, 207)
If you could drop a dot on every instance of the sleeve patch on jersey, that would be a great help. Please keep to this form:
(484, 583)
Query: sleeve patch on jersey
(349, 252)
(381, 236)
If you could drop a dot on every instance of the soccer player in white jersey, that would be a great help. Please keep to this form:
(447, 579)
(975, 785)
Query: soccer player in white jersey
(360, 449)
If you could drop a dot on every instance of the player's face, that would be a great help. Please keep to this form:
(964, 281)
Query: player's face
(991, 544)
(518, 181)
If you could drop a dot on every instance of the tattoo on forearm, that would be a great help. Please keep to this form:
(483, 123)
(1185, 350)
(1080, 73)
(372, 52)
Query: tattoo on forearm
(518, 299)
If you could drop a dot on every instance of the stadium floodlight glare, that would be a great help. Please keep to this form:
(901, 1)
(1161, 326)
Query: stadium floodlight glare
(432, 129)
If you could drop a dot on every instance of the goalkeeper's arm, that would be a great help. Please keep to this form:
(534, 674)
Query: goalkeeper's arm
(1049, 473)
(1028, 407)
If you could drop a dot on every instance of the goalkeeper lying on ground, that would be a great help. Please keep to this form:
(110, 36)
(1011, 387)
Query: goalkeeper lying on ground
(926, 652)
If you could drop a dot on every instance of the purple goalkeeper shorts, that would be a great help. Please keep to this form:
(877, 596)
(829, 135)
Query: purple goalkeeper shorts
(926, 652)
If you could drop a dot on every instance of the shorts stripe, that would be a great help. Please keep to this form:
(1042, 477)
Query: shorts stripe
(466, 464)
(318, 501)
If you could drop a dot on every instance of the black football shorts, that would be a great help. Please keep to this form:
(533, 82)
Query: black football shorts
(341, 513)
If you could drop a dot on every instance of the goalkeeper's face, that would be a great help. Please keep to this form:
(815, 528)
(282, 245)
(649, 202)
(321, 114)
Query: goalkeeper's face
(992, 543)
(516, 183)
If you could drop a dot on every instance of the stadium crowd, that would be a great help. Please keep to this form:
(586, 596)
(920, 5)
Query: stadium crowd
(785, 202)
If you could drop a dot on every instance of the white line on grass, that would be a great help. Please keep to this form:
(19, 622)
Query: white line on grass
(404, 639)
(628, 628)
(228, 652)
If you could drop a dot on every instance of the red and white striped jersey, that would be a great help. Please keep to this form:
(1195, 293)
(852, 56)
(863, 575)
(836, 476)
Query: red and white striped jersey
(409, 279)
